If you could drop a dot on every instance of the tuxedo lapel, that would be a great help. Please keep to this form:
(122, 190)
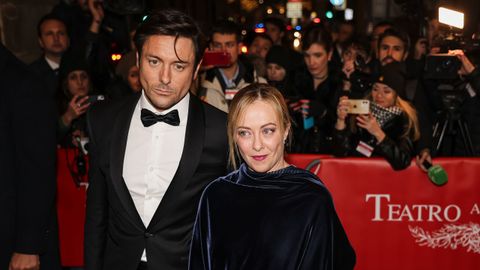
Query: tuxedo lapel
(117, 154)
(192, 150)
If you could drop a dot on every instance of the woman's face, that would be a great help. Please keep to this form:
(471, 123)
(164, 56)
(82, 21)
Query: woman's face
(275, 72)
(316, 59)
(78, 83)
(260, 138)
(383, 95)
(133, 79)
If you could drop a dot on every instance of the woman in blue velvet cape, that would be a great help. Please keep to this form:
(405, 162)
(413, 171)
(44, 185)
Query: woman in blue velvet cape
(267, 214)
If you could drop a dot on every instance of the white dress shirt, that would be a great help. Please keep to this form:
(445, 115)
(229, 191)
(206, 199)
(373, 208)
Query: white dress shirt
(53, 65)
(152, 156)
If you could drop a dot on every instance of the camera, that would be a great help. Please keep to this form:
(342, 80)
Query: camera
(442, 66)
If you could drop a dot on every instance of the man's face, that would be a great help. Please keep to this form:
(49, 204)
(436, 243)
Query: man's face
(53, 38)
(260, 47)
(274, 32)
(226, 43)
(165, 77)
(391, 49)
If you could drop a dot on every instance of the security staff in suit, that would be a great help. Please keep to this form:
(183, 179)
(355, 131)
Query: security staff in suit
(27, 169)
(54, 41)
(152, 154)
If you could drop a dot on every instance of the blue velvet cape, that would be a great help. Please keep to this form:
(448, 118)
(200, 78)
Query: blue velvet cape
(270, 221)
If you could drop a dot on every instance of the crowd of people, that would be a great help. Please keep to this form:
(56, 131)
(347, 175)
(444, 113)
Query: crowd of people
(317, 87)
(335, 65)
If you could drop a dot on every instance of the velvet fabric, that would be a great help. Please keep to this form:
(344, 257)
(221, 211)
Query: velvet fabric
(279, 220)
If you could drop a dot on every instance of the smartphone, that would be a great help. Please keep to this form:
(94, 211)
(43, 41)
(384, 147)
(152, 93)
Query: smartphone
(359, 106)
(94, 98)
(214, 58)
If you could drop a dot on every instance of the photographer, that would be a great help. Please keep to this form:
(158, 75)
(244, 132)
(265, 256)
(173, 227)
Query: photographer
(75, 88)
(460, 108)
(388, 130)
(356, 71)
(393, 46)
(468, 71)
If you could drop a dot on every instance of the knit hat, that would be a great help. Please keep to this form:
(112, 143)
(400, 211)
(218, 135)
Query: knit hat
(278, 55)
(72, 60)
(395, 76)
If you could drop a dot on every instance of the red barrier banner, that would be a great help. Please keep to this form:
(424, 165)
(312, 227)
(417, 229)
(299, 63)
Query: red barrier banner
(394, 220)
(71, 201)
(401, 220)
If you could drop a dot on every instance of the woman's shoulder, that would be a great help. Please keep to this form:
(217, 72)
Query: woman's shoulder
(312, 182)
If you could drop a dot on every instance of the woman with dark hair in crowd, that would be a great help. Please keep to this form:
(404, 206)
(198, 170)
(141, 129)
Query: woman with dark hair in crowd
(278, 69)
(268, 214)
(388, 130)
(75, 88)
(317, 90)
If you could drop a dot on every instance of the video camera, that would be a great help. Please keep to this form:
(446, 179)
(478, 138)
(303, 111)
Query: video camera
(443, 66)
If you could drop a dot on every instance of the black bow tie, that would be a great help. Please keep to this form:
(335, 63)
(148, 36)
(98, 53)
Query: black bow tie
(149, 118)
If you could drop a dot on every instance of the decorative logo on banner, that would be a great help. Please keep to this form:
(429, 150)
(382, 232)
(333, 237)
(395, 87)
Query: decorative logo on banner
(449, 236)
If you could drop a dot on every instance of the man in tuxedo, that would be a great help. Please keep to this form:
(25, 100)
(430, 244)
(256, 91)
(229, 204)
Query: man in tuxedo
(152, 154)
(27, 168)
(54, 41)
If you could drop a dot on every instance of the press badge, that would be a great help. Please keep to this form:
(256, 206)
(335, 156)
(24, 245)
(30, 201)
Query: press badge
(364, 149)
(230, 93)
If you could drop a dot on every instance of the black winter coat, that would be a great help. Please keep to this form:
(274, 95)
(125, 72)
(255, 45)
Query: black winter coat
(395, 148)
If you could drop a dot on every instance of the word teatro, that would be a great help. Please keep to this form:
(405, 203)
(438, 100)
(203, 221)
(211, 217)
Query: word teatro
(386, 211)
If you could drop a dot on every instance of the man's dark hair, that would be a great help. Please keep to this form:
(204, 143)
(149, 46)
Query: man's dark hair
(170, 23)
(48, 17)
(383, 23)
(392, 32)
(226, 27)
(277, 22)
(319, 35)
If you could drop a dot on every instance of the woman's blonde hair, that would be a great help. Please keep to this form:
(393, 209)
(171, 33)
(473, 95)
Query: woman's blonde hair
(242, 100)
(411, 113)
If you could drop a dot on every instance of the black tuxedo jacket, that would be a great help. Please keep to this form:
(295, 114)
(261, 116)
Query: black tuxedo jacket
(27, 161)
(46, 73)
(115, 236)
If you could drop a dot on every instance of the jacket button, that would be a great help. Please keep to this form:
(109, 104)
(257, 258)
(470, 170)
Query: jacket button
(148, 235)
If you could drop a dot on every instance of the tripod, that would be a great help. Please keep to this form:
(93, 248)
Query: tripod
(451, 123)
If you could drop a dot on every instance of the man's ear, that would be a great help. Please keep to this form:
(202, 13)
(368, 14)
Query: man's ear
(40, 42)
(405, 56)
(137, 60)
(330, 54)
